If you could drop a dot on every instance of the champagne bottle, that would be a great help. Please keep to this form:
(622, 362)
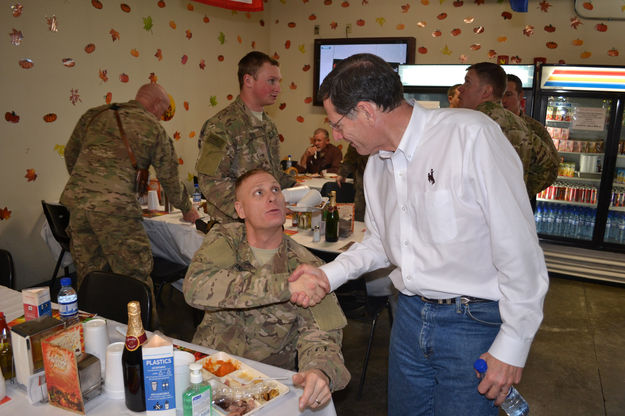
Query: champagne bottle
(6, 354)
(132, 360)
(332, 220)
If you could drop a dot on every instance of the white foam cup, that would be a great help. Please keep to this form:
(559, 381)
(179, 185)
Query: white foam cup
(153, 201)
(114, 379)
(182, 359)
(312, 198)
(96, 339)
(293, 195)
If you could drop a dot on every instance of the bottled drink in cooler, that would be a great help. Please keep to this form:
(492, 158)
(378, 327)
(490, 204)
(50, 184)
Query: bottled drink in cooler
(132, 360)
(515, 404)
(332, 220)
(68, 302)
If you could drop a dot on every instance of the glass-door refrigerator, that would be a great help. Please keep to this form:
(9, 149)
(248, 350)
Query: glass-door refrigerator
(582, 108)
(428, 84)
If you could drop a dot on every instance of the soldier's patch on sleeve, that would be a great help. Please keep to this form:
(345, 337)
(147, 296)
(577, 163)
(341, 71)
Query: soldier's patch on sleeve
(212, 153)
(328, 314)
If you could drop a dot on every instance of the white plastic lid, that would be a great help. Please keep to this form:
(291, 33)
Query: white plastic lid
(196, 373)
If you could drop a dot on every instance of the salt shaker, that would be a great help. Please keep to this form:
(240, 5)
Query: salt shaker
(316, 234)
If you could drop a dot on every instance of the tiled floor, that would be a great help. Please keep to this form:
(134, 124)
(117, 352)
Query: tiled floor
(576, 365)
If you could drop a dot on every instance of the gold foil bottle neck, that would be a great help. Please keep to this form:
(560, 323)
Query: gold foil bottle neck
(134, 307)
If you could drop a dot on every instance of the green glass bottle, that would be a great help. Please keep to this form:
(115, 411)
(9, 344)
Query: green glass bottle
(332, 220)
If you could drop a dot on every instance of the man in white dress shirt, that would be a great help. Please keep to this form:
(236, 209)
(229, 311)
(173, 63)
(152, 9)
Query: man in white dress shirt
(446, 205)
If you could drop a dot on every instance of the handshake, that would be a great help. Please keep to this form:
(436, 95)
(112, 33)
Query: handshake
(308, 285)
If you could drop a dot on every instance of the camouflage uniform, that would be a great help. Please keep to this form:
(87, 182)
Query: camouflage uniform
(534, 153)
(354, 163)
(247, 306)
(234, 141)
(329, 158)
(105, 218)
(549, 174)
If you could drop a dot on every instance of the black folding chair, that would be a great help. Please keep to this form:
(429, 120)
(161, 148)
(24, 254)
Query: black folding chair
(108, 294)
(57, 216)
(7, 269)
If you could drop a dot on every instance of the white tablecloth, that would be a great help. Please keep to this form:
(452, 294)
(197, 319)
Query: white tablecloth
(305, 238)
(11, 304)
(170, 237)
(316, 182)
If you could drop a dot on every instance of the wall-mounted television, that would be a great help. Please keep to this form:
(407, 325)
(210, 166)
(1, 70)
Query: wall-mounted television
(328, 52)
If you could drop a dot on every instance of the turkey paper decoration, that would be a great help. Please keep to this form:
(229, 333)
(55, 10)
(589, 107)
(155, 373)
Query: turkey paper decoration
(243, 5)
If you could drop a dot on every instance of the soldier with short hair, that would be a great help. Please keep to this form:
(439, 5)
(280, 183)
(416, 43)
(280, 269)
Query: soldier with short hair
(239, 277)
(241, 137)
(511, 101)
(100, 193)
(483, 88)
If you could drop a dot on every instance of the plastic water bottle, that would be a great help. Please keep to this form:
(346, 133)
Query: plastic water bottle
(515, 404)
(289, 162)
(608, 228)
(197, 197)
(538, 218)
(68, 302)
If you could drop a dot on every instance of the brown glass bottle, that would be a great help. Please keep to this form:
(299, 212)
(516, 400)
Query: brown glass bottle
(332, 220)
(6, 354)
(132, 362)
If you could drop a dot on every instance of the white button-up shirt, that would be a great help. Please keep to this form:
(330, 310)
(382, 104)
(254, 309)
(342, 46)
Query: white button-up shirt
(449, 209)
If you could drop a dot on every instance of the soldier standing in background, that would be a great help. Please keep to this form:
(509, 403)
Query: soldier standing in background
(354, 164)
(453, 96)
(482, 90)
(512, 102)
(239, 277)
(241, 137)
(105, 223)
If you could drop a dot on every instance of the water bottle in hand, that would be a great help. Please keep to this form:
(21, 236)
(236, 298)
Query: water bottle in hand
(515, 404)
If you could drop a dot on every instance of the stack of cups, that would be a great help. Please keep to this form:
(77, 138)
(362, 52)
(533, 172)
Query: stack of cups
(96, 339)
(182, 359)
(114, 378)
(153, 204)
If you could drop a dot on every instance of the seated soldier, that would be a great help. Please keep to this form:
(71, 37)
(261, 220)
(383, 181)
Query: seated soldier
(239, 277)
(321, 155)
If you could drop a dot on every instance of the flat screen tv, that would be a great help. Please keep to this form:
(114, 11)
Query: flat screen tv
(328, 52)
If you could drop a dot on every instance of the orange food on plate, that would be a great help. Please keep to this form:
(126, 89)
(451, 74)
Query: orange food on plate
(219, 367)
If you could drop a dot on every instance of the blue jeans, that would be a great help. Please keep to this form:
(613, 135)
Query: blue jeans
(431, 357)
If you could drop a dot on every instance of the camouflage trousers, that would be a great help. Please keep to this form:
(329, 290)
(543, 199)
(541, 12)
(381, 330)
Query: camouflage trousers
(101, 242)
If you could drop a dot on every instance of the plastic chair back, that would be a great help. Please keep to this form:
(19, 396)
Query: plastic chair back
(108, 294)
(7, 269)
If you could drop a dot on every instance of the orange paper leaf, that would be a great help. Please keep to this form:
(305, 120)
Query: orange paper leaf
(30, 175)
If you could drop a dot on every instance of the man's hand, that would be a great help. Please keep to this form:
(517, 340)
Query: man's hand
(339, 180)
(316, 388)
(308, 285)
(191, 215)
(311, 150)
(498, 379)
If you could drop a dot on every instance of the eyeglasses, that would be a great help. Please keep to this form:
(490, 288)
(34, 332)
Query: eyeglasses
(337, 125)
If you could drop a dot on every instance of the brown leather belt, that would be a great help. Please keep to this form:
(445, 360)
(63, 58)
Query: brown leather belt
(452, 301)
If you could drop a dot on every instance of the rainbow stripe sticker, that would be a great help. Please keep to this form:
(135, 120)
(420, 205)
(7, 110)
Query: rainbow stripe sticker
(583, 78)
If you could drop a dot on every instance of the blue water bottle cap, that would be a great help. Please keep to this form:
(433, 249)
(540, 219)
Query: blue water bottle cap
(480, 365)
(66, 281)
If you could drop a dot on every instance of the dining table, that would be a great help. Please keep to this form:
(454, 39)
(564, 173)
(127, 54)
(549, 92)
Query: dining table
(103, 405)
(317, 181)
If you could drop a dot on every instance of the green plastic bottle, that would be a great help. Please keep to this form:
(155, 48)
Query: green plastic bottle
(197, 399)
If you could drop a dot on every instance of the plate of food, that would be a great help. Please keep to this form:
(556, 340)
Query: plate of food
(238, 388)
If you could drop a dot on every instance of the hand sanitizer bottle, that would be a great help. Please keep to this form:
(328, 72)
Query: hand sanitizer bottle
(197, 399)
